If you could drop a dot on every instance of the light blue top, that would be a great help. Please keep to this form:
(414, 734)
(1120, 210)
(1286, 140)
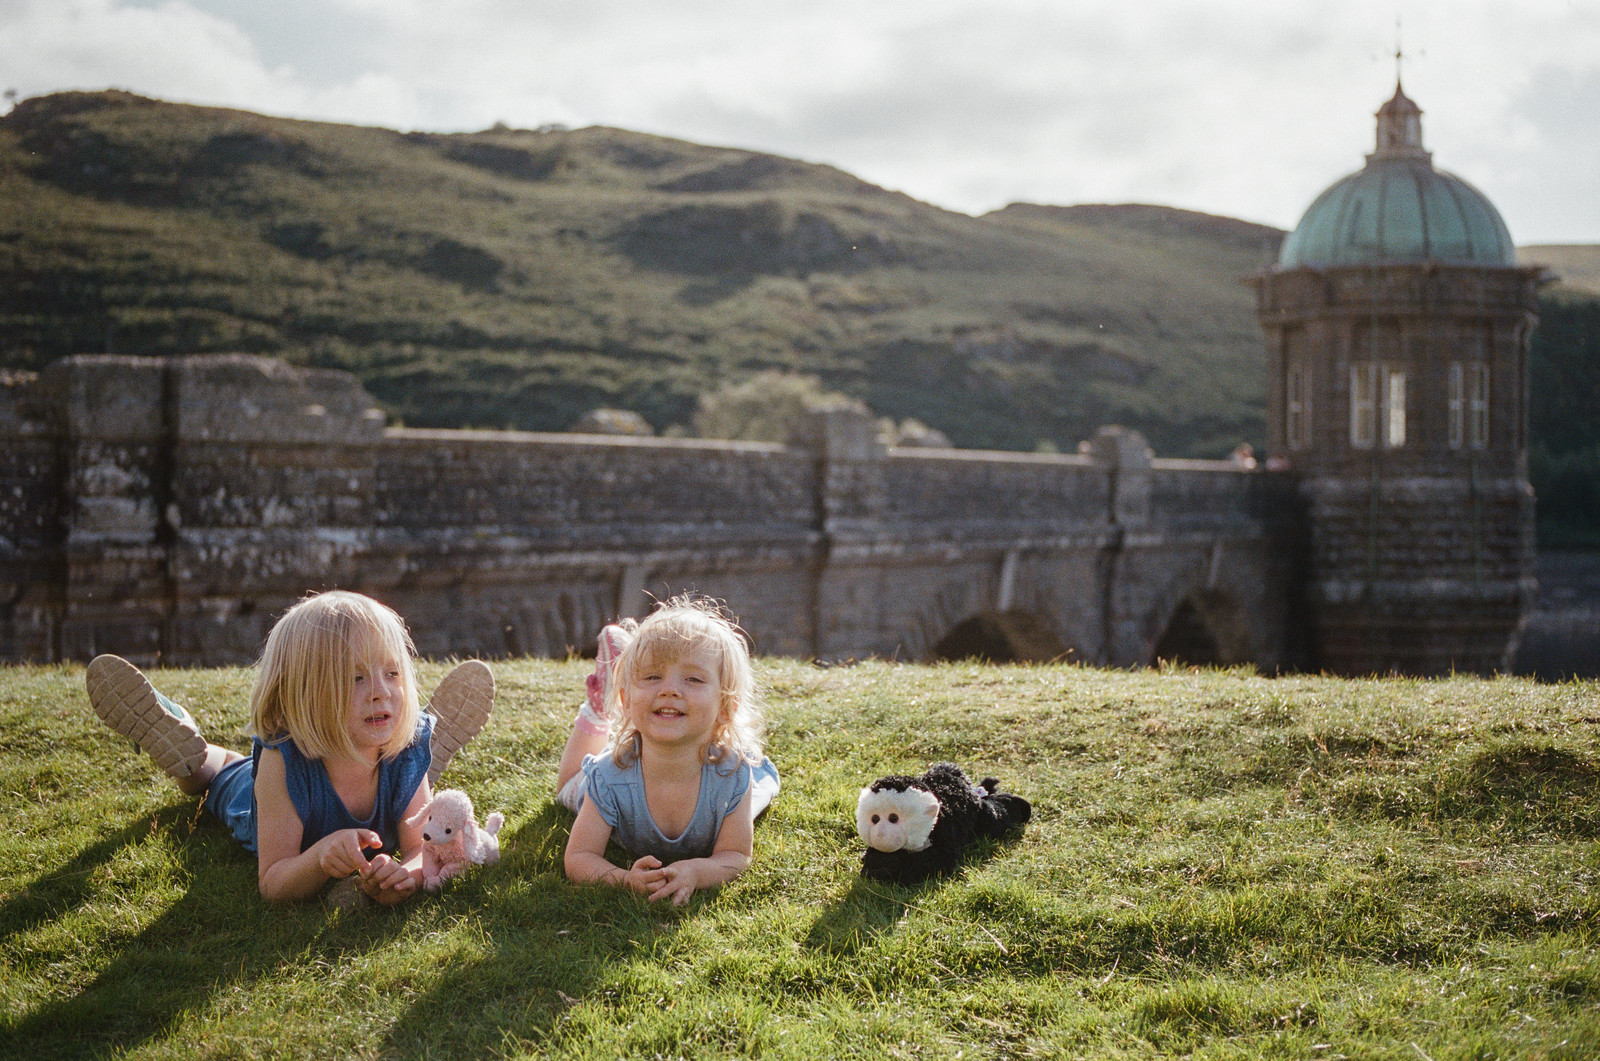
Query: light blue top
(232, 797)
(618, 794)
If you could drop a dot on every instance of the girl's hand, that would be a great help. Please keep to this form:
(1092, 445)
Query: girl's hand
(387, 881)
(343, 853)
(677, 882)
(644, 875)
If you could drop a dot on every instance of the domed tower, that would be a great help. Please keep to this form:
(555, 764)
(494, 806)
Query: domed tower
(1397, 325)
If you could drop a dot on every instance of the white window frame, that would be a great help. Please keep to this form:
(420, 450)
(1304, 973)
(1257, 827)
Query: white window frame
(1469, 404)
(1374, 410)
(1296, 407)
(1478, 405)
(1394, 407)
(1363, 404)
(1457, 405)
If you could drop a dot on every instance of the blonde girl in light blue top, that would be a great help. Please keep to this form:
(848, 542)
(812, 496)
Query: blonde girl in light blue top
(666, 757)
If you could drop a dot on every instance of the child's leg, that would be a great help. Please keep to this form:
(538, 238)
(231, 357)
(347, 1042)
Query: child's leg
(580, 743)
(763, 786)
(591, 730)
(461, 703)
(127, 702)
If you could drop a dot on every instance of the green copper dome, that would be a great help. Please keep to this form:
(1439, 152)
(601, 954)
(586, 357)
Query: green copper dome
(1399, 208)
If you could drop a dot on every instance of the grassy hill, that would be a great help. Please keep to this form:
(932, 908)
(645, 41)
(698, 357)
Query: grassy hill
(1577, 266)
(520, 278)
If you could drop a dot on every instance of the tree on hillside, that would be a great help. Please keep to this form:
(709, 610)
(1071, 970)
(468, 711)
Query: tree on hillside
(770, 406)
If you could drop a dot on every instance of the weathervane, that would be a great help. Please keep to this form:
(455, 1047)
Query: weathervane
(1399, 51)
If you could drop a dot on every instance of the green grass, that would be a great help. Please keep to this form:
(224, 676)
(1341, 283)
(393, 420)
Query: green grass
(1221, 866)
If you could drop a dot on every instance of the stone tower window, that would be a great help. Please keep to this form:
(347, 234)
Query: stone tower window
(1478, 405)
(1456, 405)
(1394, 408)
(1296, 408)
(1363, 404)
(1469, 404)
(1377, 401)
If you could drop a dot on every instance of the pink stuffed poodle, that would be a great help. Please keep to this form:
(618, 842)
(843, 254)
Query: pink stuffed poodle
(452, 839)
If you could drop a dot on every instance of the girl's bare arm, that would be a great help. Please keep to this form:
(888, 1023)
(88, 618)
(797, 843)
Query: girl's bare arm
(586, 860)
(389, 881)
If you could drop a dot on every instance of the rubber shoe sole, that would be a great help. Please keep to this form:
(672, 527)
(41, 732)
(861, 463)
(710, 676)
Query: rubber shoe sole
(461, 704)
(127, 702)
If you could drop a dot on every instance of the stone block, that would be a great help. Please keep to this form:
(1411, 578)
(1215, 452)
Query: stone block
(237, 398)
(110, 399)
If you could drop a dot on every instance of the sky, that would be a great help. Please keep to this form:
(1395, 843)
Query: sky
(1245, 108)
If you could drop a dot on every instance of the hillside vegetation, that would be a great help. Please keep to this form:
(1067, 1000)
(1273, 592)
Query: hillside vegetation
(521, 278)
(1576, 266)
(1563, 425)
(516, 278)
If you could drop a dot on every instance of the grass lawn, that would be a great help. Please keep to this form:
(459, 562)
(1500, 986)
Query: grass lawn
(1220, 866)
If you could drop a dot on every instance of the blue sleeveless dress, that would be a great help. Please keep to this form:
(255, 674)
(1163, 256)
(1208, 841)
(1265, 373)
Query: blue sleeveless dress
(231, 799)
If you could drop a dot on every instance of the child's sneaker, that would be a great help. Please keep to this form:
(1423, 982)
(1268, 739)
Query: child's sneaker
(127, 702)
(461, 704)
(612, 642)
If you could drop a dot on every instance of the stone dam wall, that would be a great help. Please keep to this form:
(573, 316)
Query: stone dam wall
(170, 510)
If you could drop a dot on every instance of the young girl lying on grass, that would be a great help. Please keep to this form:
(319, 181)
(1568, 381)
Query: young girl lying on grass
(665, 757)
(342, 755)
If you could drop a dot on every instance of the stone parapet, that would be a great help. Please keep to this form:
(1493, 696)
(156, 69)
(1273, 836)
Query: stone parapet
(171, 510)
(629, 489)
(1429, 287)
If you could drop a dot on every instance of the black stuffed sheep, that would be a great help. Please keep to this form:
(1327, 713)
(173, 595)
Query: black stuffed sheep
(919, 827)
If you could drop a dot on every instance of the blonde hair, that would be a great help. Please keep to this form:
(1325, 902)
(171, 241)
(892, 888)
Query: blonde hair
(308, 669)
(679, 626)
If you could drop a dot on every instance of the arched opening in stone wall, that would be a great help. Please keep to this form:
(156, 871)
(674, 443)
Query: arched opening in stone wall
(1011, 636)
(1206, 629)
(1187, 639)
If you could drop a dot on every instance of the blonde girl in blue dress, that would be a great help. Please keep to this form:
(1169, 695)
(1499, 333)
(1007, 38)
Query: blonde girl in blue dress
(341, 755)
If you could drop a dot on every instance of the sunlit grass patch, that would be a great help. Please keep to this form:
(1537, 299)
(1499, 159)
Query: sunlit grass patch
(1220, 865)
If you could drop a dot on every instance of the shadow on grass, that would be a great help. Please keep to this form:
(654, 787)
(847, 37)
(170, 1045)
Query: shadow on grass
(1515, 787)
(867, 911)
(67, 887)
(219, 937)
(552, 946)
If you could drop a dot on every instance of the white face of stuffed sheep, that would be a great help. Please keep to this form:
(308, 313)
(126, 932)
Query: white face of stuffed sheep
(896, 821)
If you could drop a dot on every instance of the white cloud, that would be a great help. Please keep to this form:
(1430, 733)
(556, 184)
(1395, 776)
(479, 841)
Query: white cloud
(172, 48)
(1241, 107)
